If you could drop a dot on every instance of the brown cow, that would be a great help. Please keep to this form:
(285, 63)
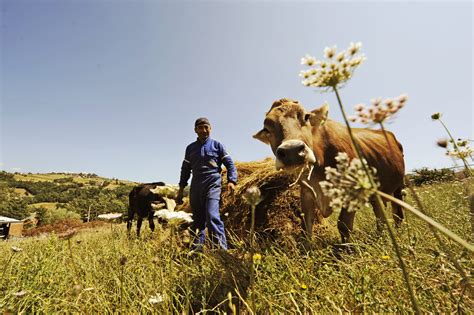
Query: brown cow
(298, 137)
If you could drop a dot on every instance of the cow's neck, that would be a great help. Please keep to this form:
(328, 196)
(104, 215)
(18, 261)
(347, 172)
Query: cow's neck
(320, 144)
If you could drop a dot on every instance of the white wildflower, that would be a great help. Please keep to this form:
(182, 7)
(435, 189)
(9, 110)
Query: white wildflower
(16, 249)
(329, 52)
(155, 299)
(308, 60)
(20, 294)
(174, 217)
(340, 56)
(354, 48)
(461, 150)
(169, 191)
(335, 70)
(380, 111)
(109, 216)
(347, 185)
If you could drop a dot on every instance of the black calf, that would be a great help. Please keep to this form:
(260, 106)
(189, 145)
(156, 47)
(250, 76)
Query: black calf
(140, 200)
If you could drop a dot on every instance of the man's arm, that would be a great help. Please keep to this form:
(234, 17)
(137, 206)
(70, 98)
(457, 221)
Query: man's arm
(185, 174)
(231, 169)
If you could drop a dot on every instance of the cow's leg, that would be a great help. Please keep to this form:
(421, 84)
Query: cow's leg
(131, 214)
(397, 209)
(378, 214)
(308, 206)
(139, 224)
(345, 223)
(150, 220)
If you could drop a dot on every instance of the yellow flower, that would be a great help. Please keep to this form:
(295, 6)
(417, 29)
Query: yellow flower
(304, 287)
(257, 258)
(386, 257)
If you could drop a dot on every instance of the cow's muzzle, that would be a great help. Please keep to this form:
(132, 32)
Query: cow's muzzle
(293, 153)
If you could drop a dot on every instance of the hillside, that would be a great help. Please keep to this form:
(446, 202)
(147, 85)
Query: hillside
(56, 196)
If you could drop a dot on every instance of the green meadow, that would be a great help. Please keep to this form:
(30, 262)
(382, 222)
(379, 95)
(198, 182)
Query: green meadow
(101, 270)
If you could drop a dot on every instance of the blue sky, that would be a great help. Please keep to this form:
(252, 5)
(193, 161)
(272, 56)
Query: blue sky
(114, 87)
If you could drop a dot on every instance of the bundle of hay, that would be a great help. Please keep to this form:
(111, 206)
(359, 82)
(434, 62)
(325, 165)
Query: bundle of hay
(277, 216)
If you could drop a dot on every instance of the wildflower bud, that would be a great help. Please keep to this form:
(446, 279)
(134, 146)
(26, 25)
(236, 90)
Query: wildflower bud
(436, 116)
(376, 101)
(123, 260)
(443, 143)
(308, 60)
(252, 196)
(462, 143)
(340, 56)
(329, 52)
(403, 98)
(388, 102)
(359, 107)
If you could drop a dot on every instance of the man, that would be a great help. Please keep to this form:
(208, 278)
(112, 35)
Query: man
(204, 159)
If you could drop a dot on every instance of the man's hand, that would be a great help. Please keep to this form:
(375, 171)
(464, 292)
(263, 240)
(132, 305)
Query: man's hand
(231, 188)
(179, 197)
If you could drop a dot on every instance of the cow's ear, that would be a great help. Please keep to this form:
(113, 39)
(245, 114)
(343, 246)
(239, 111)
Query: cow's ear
(319, 115)
(262, 135)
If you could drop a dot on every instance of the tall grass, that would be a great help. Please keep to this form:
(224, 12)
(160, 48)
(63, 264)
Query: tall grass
(158, 278)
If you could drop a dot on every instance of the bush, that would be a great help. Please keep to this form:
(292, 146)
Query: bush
(424, 176)
(54, 215)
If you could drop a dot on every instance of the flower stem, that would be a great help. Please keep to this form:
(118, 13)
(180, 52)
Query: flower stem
(252, 251)
(379, 202)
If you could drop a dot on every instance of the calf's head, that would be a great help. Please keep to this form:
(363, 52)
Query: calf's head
(288, 129)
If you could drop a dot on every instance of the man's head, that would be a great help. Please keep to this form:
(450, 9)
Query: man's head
(202, 127)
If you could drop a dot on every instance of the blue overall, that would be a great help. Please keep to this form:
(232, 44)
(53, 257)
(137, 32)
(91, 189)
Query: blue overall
(204, 160)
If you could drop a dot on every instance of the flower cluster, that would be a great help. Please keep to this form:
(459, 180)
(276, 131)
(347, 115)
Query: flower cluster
(174, 217)
(380, 110)
(348, 185)
(461, 150)
(336, 69)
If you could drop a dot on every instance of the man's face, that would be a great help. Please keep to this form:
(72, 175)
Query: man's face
(203, 131)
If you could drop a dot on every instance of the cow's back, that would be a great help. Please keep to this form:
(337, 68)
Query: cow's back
(381, 151)
(141, 198)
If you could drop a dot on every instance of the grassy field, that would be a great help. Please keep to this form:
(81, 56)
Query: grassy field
(101, 270)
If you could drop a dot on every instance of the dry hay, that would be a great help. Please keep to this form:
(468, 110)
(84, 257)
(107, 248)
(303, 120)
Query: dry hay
(278, 216)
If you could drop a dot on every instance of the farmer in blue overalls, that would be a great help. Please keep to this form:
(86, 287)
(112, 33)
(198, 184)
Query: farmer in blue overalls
(204, 159)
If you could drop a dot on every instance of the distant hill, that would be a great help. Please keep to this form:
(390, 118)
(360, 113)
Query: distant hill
(57, 196)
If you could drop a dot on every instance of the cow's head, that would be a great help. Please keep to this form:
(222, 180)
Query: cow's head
(288, 129)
